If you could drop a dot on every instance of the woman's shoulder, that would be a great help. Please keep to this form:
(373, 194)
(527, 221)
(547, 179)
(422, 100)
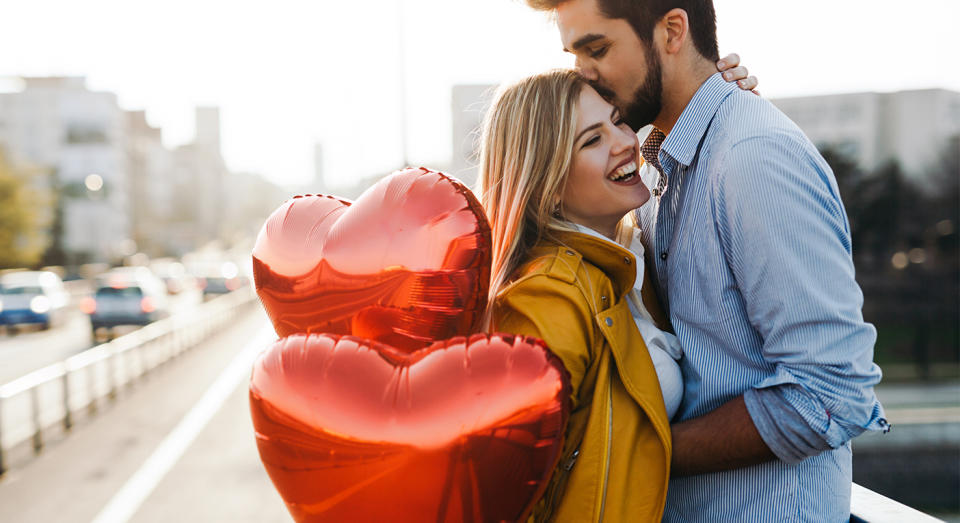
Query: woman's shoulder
(560, 268)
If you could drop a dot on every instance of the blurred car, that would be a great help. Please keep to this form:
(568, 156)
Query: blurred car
(32, 297)
(126, 296)
(227, 279)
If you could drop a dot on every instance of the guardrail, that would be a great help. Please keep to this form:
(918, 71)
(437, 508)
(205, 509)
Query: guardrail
(868, 506)
(53, 395)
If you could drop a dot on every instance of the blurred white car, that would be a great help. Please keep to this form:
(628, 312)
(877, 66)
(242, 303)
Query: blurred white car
(32, 297)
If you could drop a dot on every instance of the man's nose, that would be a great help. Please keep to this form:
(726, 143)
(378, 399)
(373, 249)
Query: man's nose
(586, 69)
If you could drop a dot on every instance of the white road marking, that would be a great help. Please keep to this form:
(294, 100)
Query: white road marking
(128, 499)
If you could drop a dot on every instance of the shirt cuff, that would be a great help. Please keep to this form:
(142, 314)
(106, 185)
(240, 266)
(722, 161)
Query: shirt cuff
(782, 428)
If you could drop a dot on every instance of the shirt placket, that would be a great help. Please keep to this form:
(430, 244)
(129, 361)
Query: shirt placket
(666, 219)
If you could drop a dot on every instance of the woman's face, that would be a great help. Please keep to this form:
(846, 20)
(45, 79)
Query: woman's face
(603, 184)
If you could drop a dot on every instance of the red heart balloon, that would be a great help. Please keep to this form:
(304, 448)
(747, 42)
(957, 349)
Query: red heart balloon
(463, 430)
(406, 264)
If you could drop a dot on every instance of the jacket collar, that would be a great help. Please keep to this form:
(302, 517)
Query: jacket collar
(618, 263)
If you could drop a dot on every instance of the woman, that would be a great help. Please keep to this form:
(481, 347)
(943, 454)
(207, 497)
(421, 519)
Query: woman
(558, 175)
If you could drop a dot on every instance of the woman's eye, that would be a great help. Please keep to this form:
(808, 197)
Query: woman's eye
(591, 141)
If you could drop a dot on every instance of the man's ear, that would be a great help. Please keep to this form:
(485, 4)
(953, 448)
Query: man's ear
(675, 29)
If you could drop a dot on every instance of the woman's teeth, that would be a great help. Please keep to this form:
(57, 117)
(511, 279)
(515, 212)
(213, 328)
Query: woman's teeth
(624, 173)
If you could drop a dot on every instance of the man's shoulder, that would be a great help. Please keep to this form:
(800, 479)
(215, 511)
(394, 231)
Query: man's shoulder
(744, 116)
(750, 131)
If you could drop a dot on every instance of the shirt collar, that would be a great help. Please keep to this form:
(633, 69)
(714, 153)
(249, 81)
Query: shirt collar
(635, 248)
(682, 142)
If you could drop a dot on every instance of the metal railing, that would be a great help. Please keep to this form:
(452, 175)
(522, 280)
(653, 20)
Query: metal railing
(868, 506)
(53, 395)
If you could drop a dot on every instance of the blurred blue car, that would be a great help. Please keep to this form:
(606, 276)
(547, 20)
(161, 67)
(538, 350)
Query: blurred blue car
(32, 297)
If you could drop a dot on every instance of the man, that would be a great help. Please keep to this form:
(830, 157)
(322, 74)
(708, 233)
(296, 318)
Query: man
(751, 249)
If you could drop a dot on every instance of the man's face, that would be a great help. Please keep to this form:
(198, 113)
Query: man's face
(613, 59)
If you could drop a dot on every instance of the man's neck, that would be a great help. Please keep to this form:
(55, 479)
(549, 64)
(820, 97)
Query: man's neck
(678, 91)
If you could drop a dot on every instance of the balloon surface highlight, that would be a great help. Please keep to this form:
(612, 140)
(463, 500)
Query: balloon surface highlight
(461, 430)
(408, 263)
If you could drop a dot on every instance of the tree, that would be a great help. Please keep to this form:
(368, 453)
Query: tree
(22, 213)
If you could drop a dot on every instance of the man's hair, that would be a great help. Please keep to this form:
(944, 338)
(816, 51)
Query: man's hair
(643, 15)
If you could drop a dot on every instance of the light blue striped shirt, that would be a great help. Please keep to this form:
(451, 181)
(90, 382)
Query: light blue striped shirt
(752, 257)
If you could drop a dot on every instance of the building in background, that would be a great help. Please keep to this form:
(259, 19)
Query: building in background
(149, 164)
(909, 127)
(118, 189)
(77, 136)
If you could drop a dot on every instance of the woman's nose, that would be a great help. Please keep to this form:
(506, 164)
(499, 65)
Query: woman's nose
(624, 139)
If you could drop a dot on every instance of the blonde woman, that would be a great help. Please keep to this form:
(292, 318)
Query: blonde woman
(559, 175)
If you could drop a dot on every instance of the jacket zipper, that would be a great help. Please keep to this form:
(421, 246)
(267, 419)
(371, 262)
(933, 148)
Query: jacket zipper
(572, 460)
(606, 471)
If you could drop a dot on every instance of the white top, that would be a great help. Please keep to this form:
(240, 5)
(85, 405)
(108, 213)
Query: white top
(664, 347)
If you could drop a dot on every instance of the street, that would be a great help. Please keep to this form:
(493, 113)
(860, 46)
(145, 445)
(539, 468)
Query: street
(218, 478)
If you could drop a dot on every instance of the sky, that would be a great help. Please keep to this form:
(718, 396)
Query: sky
(298, 73)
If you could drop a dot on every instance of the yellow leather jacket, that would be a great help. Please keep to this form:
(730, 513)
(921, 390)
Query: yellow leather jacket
(616, 457)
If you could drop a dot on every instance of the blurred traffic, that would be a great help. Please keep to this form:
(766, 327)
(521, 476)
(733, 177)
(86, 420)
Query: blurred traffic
(49, 315)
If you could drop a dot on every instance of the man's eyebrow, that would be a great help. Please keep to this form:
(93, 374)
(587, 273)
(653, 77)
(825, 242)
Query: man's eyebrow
(584, 40)
(585, 131)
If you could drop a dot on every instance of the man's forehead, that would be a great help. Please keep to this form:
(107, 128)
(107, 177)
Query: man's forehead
(578, 21)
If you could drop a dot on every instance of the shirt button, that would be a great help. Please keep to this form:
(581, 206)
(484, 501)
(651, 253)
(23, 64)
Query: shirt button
(663, 256)
(609, 322)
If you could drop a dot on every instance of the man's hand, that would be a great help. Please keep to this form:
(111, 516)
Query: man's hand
(732, 71)
(724, 439)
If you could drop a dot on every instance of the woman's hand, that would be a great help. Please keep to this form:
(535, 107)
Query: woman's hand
(732, 71)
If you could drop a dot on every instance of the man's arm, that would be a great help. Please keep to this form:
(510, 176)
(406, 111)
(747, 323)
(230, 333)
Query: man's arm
(721, 440)
(786, 240)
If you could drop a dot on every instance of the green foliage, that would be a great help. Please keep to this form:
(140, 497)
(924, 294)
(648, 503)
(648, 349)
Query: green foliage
(22, 212)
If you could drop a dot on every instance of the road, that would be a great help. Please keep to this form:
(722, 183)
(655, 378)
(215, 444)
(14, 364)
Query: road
(217, 477)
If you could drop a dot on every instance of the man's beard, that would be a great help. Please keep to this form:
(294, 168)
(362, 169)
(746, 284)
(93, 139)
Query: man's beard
(647, 99)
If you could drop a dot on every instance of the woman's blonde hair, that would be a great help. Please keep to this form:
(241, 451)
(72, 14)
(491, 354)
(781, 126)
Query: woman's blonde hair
(526, 149)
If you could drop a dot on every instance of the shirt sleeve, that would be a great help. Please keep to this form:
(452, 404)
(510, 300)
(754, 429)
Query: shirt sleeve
(786, 239)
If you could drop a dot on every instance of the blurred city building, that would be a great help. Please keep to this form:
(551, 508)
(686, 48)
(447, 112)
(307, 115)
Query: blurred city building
(909, 127)
(114, 188)
(78, 136)
(198, 180)
(149, 164)
(248, 201)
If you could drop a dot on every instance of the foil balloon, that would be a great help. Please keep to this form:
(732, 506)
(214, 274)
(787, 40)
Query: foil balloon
(462, 430)
(406, 264)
